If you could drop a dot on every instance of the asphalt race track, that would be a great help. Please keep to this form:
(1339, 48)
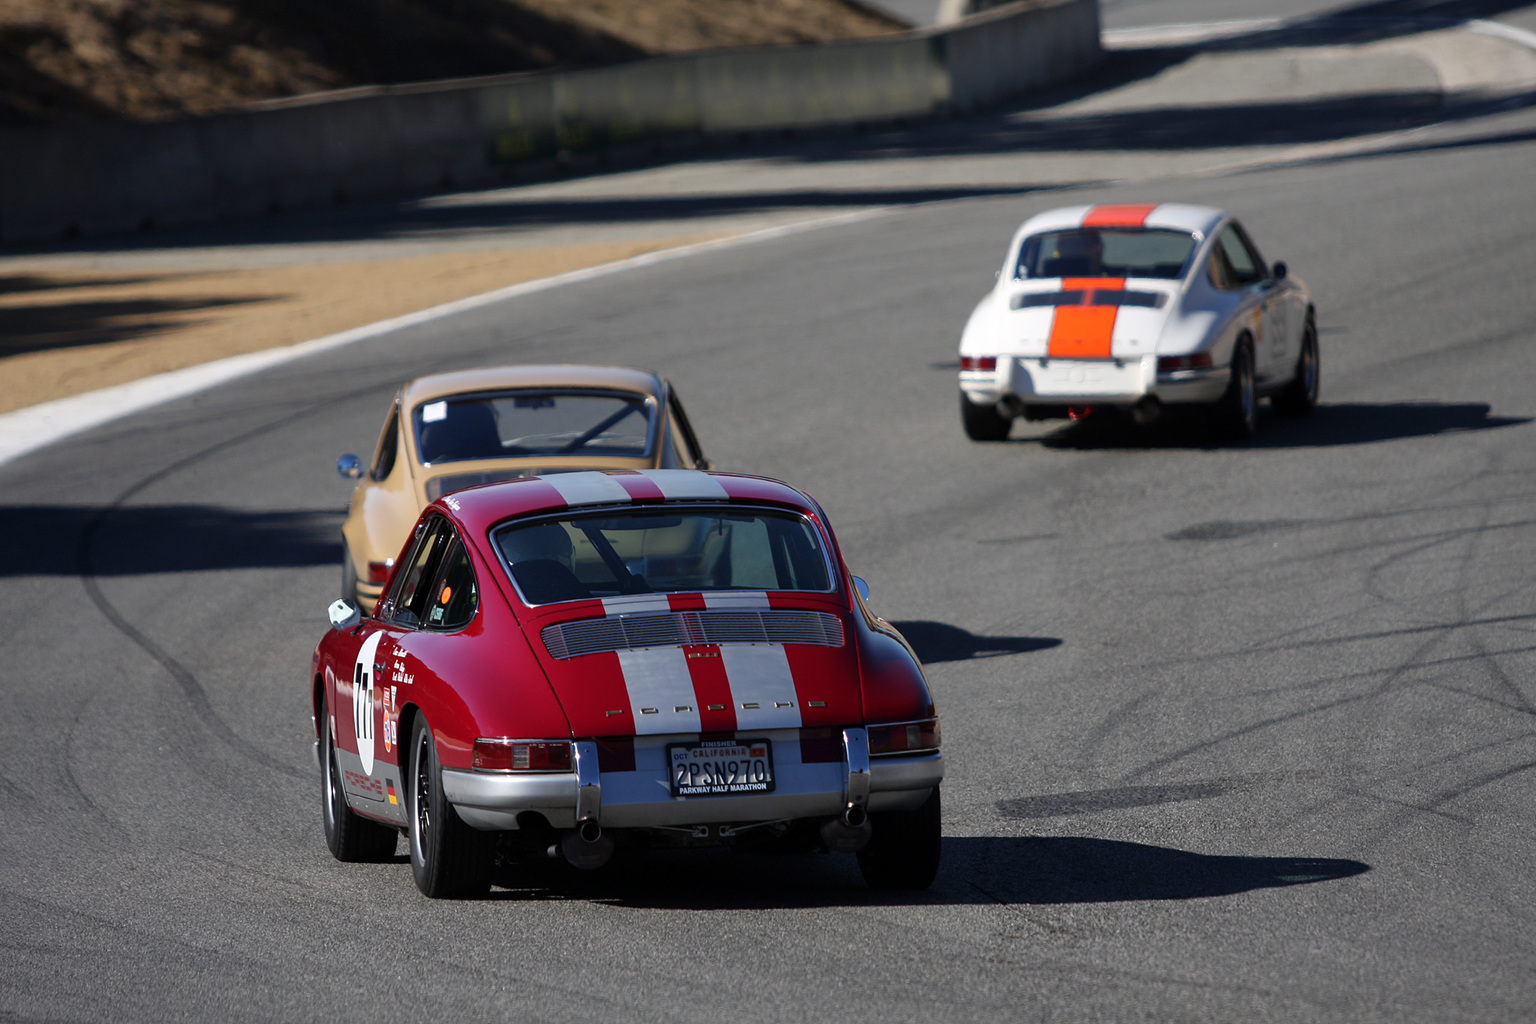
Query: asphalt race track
(1234, 733)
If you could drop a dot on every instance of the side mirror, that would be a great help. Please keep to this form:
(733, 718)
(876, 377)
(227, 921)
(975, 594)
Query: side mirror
(350, 466)
(1280, 270)
(343, 614)
(861, 587)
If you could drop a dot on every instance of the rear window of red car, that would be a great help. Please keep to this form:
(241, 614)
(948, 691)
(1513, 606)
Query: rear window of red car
(663, 551)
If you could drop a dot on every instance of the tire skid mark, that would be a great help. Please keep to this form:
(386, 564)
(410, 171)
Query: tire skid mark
(1464, 575)
(1394, 674)
(1432, 807)
(1445, 796)
(191, 689)
(66, 765)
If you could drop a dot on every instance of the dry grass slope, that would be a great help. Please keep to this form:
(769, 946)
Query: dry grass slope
(155, 59)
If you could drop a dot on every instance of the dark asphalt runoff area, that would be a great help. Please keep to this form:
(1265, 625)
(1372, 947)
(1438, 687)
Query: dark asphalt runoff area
(1234, 733)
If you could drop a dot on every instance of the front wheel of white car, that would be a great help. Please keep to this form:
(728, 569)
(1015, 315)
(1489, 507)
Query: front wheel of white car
(1300, 396)
(1236, 414)
(983, 422)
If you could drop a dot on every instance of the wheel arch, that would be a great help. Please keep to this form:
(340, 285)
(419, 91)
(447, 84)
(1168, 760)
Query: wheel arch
(409, 713)
(317, 704)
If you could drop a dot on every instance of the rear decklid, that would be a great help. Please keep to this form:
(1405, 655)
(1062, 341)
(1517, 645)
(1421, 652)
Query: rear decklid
(714, 662)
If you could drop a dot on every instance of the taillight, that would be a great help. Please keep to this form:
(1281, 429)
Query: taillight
(378, 572)
(904, 736)
(522, 755)
(978, 362)
(1198, 361)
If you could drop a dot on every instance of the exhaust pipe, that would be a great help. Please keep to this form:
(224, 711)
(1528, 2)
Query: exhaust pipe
(586, 846)
(849, 833)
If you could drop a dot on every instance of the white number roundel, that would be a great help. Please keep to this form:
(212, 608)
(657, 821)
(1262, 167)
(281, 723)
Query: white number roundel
(362, 700)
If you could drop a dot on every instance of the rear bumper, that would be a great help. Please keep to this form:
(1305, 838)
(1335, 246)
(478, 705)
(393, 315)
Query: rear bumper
(1034, 380)
(641, 798)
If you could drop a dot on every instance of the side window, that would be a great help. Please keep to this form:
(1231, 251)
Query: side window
(389, 444)
(409, 601)
(1241, 264)
(454, 597)
(689, 446)
(1220, 268)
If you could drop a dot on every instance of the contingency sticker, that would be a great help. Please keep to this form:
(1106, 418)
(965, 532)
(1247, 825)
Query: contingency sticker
(434, 411)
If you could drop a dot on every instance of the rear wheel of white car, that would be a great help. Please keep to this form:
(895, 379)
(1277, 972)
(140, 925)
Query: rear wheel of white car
(1300, 396)
(1237, 413)
(983, 422)
(903, 850)
(449, 860)
(349, 836)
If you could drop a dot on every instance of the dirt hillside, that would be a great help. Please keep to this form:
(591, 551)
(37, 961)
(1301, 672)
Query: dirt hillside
(154, 59)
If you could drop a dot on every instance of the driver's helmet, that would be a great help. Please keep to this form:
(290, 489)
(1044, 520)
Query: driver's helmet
(545, 542)
(1080, 244)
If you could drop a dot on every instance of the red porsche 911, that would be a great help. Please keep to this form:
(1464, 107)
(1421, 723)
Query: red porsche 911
(563, 665)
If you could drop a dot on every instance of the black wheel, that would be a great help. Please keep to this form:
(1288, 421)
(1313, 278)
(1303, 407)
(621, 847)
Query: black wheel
(1237, 413)
(349, 578)
(448, 858)
(350, 837)
(903, 850)
(983, 422)
(1300, 396)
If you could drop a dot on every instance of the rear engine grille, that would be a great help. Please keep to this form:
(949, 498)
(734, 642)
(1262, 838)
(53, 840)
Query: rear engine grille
(675, 629)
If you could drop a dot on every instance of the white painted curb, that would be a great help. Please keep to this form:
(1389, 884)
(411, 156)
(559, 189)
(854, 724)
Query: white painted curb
(26, 430)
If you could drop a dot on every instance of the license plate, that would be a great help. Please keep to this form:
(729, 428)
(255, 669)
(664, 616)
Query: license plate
(720, 769)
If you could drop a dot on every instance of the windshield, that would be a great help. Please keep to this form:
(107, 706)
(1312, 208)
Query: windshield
(520, 424)
(662, 552)
(1105, 252)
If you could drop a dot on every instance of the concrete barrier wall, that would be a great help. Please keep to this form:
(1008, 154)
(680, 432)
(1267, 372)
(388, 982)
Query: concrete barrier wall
(1017, 48)
(357, 143)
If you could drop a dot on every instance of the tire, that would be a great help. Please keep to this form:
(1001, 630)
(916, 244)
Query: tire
(449, 860)
(903, 851)
(983, 422)
(1299, 397)
(350, 837)
(1237, 412)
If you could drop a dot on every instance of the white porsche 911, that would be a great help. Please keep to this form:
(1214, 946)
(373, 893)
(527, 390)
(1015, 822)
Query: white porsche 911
(1136, 307)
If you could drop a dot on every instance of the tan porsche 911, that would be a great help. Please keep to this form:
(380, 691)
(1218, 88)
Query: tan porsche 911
(450, 431)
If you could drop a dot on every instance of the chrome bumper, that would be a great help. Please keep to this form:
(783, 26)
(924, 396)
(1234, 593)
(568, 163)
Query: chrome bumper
(493, 800)
(1032, 380)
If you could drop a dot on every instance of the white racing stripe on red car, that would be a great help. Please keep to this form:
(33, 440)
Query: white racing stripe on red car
(685, 484)
(736, 600)
(660, 687)
(588, 488)
(636, 604)
(760, 674)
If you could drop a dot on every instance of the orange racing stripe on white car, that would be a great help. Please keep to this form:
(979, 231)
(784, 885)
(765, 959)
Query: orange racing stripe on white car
(1084, 331)
(1119, 215)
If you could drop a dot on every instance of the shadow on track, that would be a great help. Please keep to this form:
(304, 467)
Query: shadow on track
(939, 641)
(976, 870)
(1331, 425)
(47, 325)
(45, 540)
